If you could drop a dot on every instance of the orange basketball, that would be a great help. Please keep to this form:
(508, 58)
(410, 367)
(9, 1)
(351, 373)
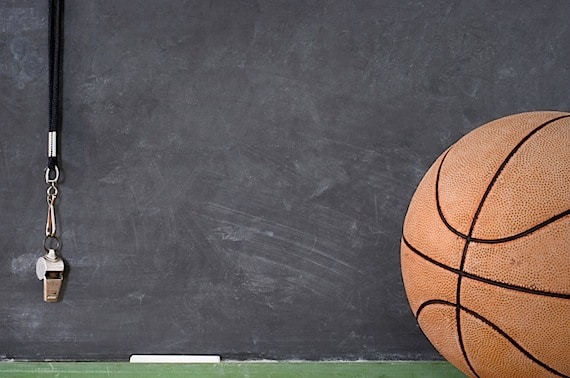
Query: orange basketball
(486, 249)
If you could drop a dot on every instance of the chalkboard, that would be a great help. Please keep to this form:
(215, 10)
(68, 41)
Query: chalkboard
(236, 173)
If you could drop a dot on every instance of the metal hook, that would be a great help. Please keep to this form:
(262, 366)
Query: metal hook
(50, 223)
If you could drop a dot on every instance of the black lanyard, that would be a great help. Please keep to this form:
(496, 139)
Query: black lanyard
(50, 267)
(55, 55)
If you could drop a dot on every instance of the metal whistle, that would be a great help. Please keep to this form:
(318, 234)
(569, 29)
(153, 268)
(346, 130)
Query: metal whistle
(49, 268)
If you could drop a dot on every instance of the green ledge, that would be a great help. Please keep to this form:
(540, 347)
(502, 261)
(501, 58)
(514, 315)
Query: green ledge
(423, 369)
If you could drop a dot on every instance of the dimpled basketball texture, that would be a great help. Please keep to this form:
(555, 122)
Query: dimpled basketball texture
(486, 249)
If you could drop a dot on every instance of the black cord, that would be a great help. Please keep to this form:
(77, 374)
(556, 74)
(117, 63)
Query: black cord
(55, 66)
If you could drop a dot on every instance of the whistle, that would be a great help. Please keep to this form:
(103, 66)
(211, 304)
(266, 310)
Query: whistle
(49, 268)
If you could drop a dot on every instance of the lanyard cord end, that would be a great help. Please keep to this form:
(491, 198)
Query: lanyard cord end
(52, 150)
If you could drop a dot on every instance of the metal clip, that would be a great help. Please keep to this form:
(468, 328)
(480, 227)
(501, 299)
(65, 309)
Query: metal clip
(50, 223)
(49, 268)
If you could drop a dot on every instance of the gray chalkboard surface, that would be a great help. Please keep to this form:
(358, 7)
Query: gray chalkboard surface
(236, 173)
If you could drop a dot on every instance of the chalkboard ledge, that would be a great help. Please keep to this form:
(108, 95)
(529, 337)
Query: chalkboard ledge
(424, 369)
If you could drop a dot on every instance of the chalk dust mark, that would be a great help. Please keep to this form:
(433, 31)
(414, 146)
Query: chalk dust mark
(176, 193)
(203, 238)
(283, 229)
(272, 162)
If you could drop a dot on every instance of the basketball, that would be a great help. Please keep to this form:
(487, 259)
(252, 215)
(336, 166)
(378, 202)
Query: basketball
(485, 251)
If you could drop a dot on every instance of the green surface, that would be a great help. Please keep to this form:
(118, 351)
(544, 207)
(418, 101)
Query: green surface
(230, 369)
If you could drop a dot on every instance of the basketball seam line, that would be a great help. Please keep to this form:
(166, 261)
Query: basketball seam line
(483, 279)
(506, 238)
(482, 240)
(474, 221)
(524, 233)
(494, 327)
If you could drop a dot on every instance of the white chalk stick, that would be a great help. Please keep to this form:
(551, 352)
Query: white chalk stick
(174, 359)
